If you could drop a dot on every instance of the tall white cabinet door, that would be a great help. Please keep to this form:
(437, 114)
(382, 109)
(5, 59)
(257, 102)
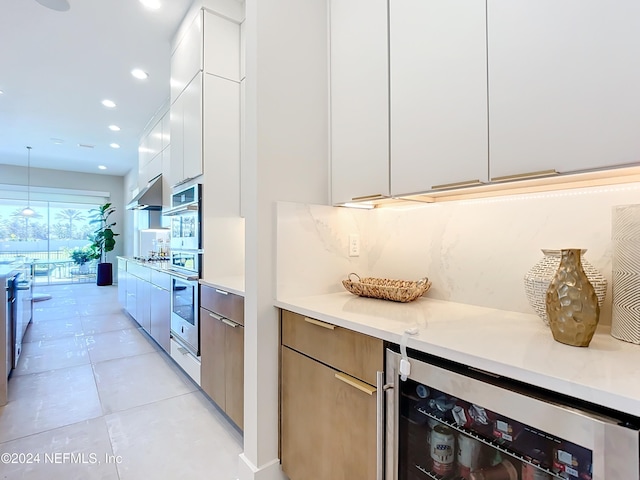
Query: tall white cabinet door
(438, 76)
(359, 99)
(187, 58)
(176, 148)
(192, 128)
(222, 146)
(221, 47)
(564, 84)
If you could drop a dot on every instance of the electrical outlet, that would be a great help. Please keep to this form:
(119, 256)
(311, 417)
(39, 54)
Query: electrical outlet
(354, 245)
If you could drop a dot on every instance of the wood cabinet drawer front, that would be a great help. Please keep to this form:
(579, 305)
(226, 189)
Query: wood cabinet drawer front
(223, 303)
(356, 354)
(328, 427)
(161, 279)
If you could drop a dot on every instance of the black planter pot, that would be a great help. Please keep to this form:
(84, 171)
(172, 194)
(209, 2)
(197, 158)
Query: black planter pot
(105, 274)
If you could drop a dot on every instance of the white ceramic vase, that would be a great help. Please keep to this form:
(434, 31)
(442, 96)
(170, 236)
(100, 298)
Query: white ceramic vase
(537, 280)
(625, 283)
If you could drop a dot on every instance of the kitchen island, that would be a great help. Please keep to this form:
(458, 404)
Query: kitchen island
(511, 344)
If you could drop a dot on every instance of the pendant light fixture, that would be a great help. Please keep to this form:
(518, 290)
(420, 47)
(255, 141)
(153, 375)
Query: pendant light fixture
(27, 212)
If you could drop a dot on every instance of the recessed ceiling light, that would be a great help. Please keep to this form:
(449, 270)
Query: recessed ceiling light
(1, 92)
(114, 128)
(139, 74)
(151, 4)
(109, 103)
(102, 167)
(114, 145)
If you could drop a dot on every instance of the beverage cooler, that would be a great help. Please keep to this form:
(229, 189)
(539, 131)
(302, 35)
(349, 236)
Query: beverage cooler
(449, 421)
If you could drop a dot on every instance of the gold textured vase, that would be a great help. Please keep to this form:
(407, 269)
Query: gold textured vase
(572, 304)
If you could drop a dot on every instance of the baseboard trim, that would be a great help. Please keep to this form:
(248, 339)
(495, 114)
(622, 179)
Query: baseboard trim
(269, 471)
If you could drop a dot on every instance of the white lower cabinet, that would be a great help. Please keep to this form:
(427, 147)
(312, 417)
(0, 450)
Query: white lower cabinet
(160, 309)
(186, 361)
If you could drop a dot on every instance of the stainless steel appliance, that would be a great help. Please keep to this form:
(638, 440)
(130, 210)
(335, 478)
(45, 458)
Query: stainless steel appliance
(185, 322)
(449, 421)
(9, 315)
(6, 334)
(184, 265)
(186, 239)
(23, 313)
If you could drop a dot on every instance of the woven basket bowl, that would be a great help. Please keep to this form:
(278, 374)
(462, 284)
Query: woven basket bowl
(387, 289)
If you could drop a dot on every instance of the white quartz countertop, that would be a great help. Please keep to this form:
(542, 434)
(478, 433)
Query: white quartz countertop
(511, 344)
(231, 284)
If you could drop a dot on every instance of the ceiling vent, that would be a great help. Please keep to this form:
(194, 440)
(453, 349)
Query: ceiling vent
(85, 145)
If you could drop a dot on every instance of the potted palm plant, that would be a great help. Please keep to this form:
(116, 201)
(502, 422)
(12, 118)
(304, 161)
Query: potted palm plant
(103, 242)
(81, 256)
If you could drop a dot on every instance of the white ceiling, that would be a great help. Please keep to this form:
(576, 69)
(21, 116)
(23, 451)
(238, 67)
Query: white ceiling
(56, 67)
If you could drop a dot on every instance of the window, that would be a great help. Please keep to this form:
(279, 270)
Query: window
(47, 237)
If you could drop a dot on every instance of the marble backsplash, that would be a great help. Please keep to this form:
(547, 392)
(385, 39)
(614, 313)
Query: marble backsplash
(474, 251)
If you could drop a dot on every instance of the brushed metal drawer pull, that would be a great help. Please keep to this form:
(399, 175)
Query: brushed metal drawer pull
(467, 183)
(354, 382)
(328, 326)
(222, 292)
(377, 196)
(229, 322)
(217, 317)
(522, 176)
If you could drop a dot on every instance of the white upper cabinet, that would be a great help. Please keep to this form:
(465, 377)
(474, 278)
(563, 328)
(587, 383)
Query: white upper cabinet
(438, 84)
(155, 140)
(222, 146)
(221, 47)
(166, 131)
(176, 148)
(192, 129)
(564, 85)
(359, 99)
(186, 60)
(243, 49)
(186, 134)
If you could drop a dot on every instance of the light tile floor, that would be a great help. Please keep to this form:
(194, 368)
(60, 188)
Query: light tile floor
(94, 398)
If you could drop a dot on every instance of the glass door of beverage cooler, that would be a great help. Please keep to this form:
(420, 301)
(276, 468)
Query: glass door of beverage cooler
(448, 422)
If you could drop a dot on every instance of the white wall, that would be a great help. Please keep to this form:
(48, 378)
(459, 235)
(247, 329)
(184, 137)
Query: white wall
(286, 158)
(474, 251)
(41, 177)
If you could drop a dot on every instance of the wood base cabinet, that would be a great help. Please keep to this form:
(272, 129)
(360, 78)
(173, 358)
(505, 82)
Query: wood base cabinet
(328, 420)
(222, 351)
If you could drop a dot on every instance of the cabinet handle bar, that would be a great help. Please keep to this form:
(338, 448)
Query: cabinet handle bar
(229, 322)
(522, 176)
(313, 321)
(467, 183)
(221, 292)
(377, 196)
(354, 382)
(379, 425)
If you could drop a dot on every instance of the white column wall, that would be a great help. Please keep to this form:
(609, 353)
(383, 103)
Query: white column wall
(286, 159)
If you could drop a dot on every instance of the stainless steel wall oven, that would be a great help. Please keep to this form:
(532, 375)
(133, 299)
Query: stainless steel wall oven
(185, 264)
(185, 322)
